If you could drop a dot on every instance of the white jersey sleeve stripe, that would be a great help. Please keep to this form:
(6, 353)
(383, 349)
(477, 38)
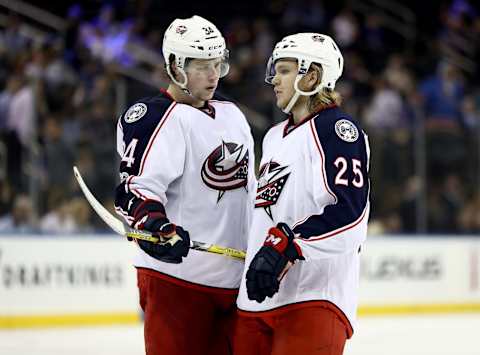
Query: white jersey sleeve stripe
(137, 193)
(335, 232)
(124, 214)
(134, 191)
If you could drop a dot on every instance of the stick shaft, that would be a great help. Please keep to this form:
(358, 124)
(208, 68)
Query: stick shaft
(121, 228)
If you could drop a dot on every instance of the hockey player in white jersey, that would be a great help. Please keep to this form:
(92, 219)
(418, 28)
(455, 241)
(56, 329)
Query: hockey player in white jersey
(187, 172)
(299, 291)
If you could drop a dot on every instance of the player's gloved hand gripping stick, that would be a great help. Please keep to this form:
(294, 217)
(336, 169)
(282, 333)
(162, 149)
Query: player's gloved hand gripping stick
(174, 242)
(121, 228)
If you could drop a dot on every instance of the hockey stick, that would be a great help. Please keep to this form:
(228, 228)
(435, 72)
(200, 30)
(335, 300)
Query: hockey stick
(121, 228)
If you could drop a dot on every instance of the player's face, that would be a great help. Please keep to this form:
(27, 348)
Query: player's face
(285, 74)
(203, 76)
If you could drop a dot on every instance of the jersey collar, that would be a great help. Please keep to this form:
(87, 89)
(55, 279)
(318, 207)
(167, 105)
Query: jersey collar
(290, 126)
(166, 93)
(207, 109)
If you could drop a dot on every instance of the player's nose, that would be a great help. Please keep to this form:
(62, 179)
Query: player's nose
(275, 80)
(214, 75)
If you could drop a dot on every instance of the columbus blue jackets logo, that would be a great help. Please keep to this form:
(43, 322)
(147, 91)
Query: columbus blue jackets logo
(135, 112)
(226, 168)
(270, 185)
(346, 130)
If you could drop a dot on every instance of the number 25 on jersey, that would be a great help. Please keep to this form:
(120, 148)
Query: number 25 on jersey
(342, 165)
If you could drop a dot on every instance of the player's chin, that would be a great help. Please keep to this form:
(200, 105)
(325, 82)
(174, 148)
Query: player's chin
(281, 104)
(207, 95)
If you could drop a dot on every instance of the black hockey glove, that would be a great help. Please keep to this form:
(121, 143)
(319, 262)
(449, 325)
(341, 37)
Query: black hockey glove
(269, 265)
(174, 241)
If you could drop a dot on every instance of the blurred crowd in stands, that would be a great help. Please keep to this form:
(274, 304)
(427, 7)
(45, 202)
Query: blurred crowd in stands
(413, 84)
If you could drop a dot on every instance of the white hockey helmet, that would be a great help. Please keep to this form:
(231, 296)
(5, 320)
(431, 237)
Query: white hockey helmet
(194, 37)
(308, 48)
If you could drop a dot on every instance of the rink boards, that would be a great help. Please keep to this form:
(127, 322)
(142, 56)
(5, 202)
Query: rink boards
(420, 275)
(89, 279)
(66, 280)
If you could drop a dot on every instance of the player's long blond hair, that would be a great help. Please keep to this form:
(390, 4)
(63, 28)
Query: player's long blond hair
(326, 97)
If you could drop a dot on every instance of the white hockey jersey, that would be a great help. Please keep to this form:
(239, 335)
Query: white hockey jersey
(200, 165)
(314, 177)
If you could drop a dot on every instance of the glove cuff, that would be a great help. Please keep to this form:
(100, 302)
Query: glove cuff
(150, 215)
(282, 239)
(277, 239)
(141, 207)
(294, 252)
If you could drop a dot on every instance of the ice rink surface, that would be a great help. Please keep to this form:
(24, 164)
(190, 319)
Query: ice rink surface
(400, 335)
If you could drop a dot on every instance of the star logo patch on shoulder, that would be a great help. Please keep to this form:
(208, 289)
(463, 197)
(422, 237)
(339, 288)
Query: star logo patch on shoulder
(346, 130)
(135, 112)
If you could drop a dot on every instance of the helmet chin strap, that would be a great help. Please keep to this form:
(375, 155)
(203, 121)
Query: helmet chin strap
(292, 102)
(299, 92)
(182, 86)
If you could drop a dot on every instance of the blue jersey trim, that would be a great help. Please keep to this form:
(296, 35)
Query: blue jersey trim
(351, 200)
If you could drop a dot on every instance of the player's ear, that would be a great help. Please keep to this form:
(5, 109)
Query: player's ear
(173, 67)
(174, 70)
(315, 76)
(312, 78)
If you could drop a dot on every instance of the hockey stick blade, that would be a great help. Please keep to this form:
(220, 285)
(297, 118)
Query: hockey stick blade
(121, 228)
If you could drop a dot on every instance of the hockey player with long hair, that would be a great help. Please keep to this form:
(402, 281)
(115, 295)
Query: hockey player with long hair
(186, 172)
(299, 289)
